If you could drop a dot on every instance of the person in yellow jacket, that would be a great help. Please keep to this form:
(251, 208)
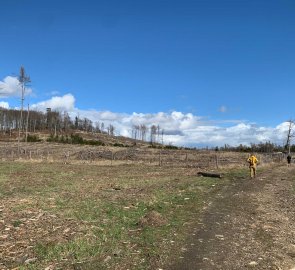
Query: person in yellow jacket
(252, 160)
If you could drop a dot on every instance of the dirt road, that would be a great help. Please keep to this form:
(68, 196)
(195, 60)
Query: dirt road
(250, 225)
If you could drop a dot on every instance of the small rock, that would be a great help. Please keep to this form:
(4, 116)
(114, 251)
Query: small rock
(67, 230)
(107, 259)
(219, 236)
(32, 260)
(253, 264)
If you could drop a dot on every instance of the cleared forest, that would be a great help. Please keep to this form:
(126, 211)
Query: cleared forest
(65, 206)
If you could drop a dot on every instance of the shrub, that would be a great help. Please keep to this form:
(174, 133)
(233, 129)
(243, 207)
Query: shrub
(76, 139)
(92, 142)
(171, 147)
(33, 138)
(119, 145)
(50, 138)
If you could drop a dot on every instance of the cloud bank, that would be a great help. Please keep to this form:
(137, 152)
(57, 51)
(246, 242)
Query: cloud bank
(189, 130)
(181, 129)
(10, 87)
(56, 103)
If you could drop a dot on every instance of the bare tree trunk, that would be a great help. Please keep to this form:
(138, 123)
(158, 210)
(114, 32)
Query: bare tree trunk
(21, 117)
(289, 135)
(23, 79)
(217, 161)
(27, 124)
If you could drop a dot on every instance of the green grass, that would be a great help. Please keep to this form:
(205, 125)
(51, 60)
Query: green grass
(107, 203)
(16, 223)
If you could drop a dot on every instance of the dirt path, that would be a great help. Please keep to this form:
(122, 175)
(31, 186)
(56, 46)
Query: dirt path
(251, 224)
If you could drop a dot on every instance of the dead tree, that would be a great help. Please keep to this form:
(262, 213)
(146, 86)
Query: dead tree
(153, 134)
(290, 135)
(23, 80)
(27, 123)
(143, 130)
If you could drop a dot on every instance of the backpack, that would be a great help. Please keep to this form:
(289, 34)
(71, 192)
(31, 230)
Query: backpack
(252, 160)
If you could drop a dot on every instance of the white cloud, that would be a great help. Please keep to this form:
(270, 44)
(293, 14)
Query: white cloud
(181, 129)
(4, 104)
(190, 130)
(10, 87)
(64, 103)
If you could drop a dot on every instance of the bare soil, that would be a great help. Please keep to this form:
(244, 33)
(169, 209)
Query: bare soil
(249, 224)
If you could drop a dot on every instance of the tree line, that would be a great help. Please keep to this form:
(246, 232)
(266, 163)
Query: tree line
(57, 123)
(53, 121)
(263, 147)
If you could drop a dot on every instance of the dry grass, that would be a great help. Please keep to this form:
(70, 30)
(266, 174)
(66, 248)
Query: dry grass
(121, 213)
(84, 216)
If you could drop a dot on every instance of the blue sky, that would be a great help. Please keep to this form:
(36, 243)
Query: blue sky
(209, 66)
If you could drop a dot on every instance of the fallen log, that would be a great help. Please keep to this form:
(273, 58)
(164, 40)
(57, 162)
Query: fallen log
(216, 175)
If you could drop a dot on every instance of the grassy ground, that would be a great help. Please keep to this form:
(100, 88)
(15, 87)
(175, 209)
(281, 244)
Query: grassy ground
(98, 217)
